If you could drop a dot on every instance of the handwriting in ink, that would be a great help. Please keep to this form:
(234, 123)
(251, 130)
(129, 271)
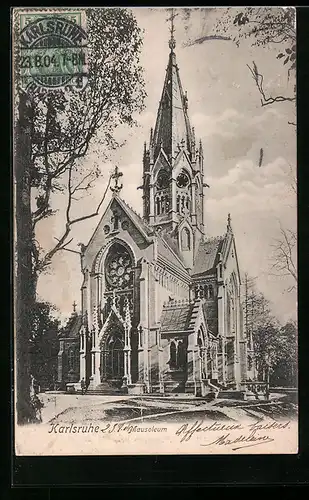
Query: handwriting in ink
(251, 439)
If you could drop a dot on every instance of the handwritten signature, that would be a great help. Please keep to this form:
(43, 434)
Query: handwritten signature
(248, 437)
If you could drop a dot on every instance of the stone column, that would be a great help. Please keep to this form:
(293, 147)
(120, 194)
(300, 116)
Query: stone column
(95, 366)
(127, 359)
(85, 316)
(221, 310)
(173, 204)
(193, 367)
(215, 359)
(160, 356)
(95, 350)
(140, 351)
(82, 353)
(243, 360)
(143, 354)
(127, 379)
(238, 338)
(60, 362)
(193, 203)
(151, 202)
(223, 356)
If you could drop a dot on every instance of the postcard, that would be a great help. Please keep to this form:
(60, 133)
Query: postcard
(155, 200)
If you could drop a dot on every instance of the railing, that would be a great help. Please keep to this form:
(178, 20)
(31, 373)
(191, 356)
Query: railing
(256, 387)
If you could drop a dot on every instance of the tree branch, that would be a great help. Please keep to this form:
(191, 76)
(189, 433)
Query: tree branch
(61, 242)
(258, 78)
(283, 258)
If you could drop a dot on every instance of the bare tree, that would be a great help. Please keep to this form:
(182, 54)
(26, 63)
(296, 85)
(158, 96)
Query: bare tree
(284, 256)
(266, 100)
(264, 26)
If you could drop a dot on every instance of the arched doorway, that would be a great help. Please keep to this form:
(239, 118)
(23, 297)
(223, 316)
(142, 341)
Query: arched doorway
(112, 358)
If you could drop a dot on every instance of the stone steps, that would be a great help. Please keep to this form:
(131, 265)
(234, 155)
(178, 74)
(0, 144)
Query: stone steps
(106, 389)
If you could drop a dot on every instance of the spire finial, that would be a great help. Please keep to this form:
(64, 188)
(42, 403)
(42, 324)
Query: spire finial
(172, 41)
(74, 306)
(229, 227)
(116, 175)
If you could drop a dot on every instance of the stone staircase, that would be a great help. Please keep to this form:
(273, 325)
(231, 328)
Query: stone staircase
(106, 388)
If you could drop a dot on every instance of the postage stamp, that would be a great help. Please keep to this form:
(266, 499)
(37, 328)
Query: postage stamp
(52, 50)
(155, 231)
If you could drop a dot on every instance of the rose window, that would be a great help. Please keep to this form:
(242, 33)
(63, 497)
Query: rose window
(119, 267)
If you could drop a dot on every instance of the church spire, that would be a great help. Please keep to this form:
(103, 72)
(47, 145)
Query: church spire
(172, 125)
(173, 196)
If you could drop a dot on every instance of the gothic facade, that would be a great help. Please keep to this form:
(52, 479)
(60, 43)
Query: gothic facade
(161, 308)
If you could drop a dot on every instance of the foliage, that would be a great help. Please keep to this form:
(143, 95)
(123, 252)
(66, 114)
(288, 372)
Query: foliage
(44, 345)
(54, 132)
(64, 123)
(285, 369)
(275, 346)
(264, 27)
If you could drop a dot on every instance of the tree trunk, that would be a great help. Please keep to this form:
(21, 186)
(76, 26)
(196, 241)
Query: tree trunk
(24, 289)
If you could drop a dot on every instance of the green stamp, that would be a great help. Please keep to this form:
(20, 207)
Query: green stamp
(52, 50)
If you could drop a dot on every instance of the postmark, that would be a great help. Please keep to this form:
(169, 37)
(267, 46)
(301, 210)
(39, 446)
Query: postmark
(52, 50)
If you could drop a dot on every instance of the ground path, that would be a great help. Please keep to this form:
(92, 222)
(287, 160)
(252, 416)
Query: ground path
(69, 408)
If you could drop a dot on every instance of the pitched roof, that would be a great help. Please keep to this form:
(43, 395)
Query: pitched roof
(176, 316)
(207, 256)
(72, 328)
(181, 315)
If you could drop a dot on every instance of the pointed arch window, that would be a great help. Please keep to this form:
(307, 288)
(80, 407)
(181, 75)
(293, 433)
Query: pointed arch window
(177, 359)
(185, 239)
(162, 180)
(118, 267)
(181, 356)
(158, 203)
(73, 358)
(173, 356)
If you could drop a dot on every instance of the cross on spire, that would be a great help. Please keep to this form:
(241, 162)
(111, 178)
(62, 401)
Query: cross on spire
(115, 176)
(172, 41)
(74, 306)
(229, 226)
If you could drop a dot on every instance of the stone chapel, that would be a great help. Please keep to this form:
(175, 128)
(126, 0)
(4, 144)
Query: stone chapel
(161, 307)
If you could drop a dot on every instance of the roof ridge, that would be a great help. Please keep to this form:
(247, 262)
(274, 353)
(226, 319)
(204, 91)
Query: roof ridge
(177, 302)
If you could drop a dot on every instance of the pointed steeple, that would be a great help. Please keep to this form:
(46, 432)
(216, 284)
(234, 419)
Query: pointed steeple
(173, 165)
(172, 125)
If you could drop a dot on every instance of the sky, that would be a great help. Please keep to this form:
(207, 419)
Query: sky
(225, 109)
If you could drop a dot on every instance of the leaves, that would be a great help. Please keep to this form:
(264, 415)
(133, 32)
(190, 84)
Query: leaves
(273, 344)
(65, 122)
